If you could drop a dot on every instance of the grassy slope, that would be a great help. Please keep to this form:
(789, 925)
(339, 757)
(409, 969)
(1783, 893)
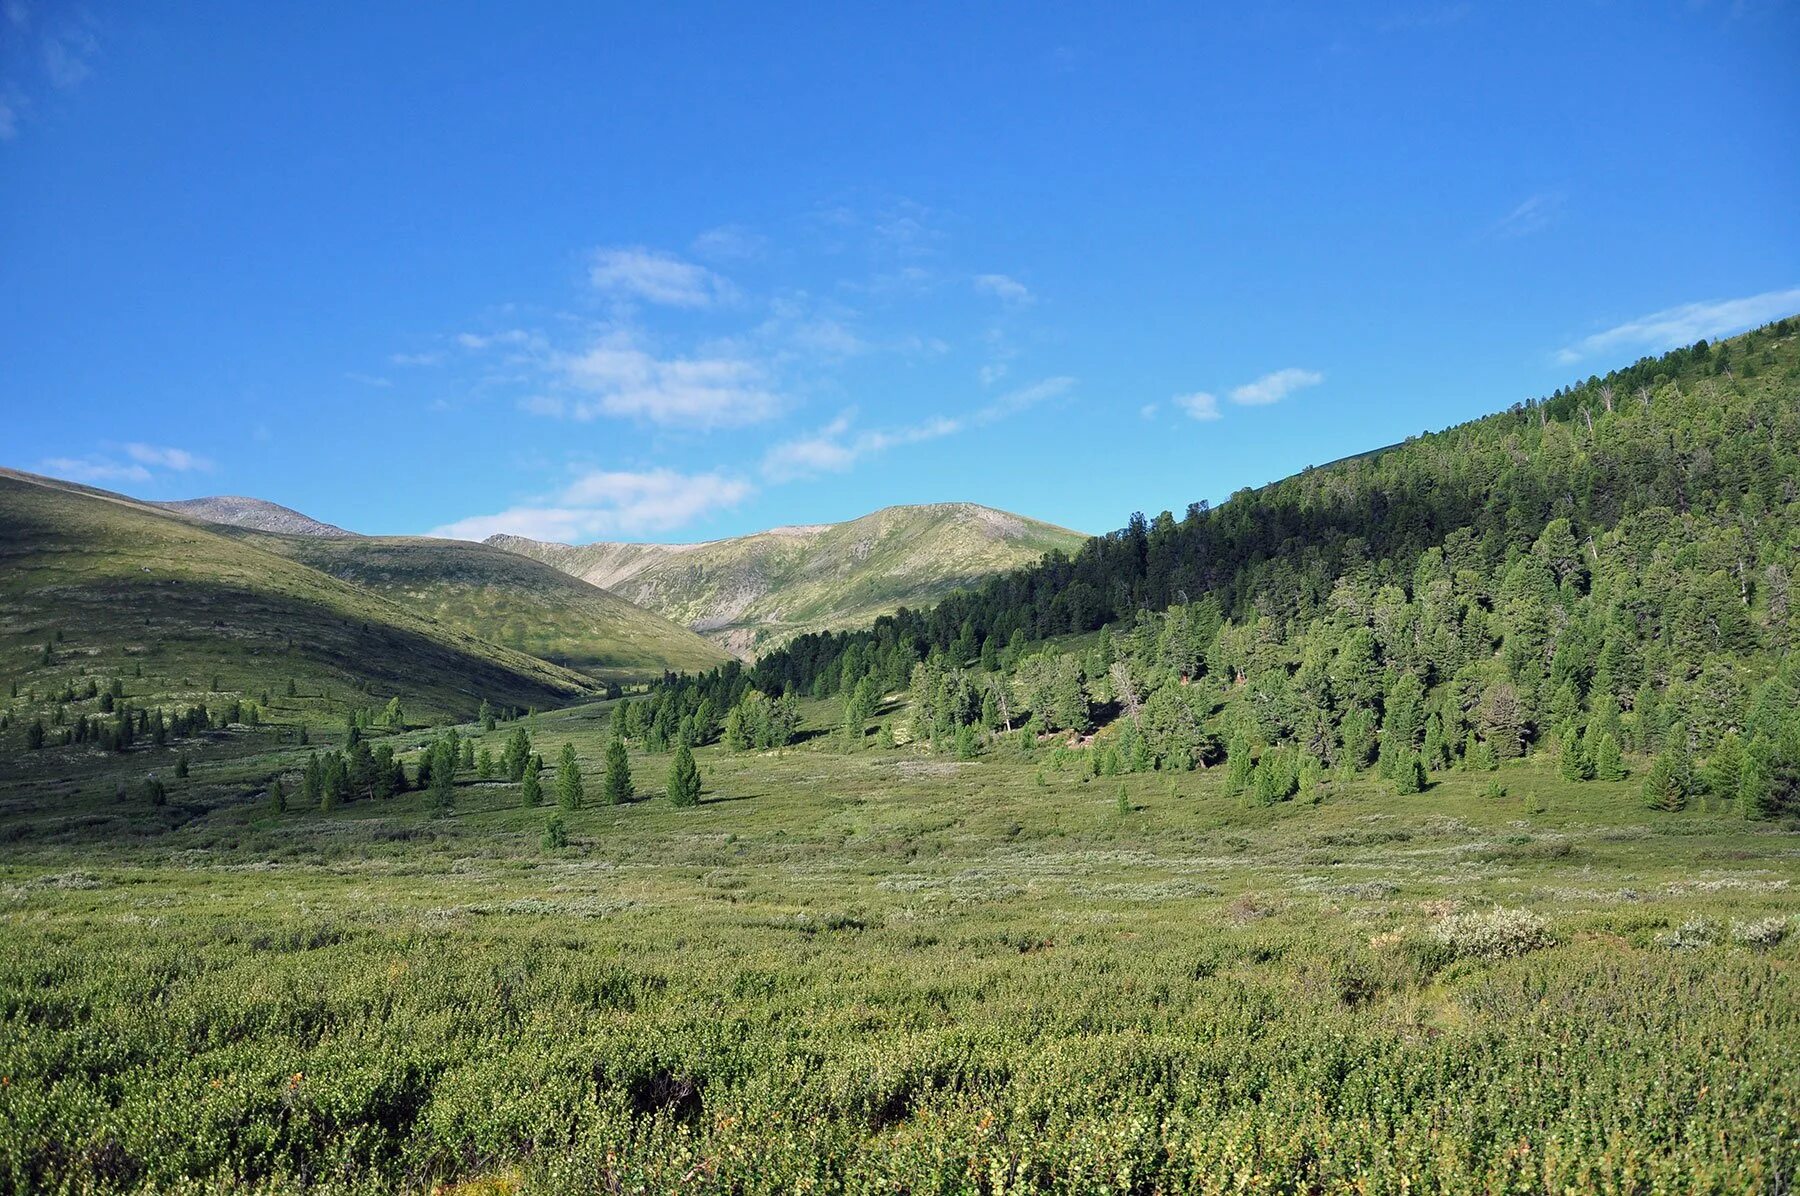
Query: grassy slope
(754, 592)
(876, 971)
(507, 599)
(132, 587)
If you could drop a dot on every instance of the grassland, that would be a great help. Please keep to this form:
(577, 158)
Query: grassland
(507, 599)
(884, 971)
(94, 586)
(751, 593)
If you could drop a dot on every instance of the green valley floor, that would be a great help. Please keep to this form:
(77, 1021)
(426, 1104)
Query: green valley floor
(890, 972)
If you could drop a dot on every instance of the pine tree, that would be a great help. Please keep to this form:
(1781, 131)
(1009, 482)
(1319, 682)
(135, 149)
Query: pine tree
(443, 774)
(533, 788)
(1756, 779)
(1412, 777)
(516, 754)
(1239, 764)
(617, 785)
(569, 787)
(484, 764)
(486, 716)
(277, 796)
(1609, 764)
(736, 737)
(1662, 790)
(1574, 764)
(684, 779)
(556, 832)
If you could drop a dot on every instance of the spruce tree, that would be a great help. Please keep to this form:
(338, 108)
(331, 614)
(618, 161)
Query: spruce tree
(569, 787)
(617, 786)
(684, 779)
(533, 788)
(277, 796)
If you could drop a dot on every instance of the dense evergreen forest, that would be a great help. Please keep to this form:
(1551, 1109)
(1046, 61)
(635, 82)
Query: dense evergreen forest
(1602, 573)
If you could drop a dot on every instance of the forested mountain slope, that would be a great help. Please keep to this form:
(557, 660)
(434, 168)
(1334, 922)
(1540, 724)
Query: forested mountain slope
(1606, 571)
(754, 592)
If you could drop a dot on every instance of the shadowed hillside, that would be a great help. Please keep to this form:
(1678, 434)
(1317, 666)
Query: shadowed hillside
(93, 585)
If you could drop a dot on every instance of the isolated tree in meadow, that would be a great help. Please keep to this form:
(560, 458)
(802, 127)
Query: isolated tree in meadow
(616, 787)
(484, 764)
(684, 779)
(533, 787)
(516, 753)
(34, 734)
(569, 787)
(466, 758)
(485, 716)
(277, 796)
(443, 774)
(556, 832)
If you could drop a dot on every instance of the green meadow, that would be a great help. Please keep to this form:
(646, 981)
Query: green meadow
(885, 971)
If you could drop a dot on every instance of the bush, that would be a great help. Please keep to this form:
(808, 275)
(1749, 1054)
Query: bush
(1498, 934)
(556, 832)
(1762, 933)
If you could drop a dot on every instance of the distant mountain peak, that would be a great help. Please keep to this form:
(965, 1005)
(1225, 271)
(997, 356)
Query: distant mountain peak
(236, 510)
(755, 591)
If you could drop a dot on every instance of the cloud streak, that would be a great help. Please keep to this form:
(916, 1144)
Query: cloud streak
(1199, 405)
(1272, 388)
(633, 272)
(1673, 327)
(836, 447)
(602, 503)
(1006, 289)
(616, 377)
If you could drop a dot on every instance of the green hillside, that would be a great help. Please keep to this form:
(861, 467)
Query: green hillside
(507, 599)
(1605, 576)
(754, 592)
(97, 586)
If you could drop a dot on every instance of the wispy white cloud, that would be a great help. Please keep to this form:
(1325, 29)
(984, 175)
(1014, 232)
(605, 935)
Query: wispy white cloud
(834, 449)
(838, 446)
(416, 359)
(375, 380)
(1149, 410)
(633, 272)
(125, 463)
(613, 376)
(605, 503)
(159, 457)
(1532, 215)
(1272, 388)
(730, 242)
(1004, 288)
(69, 55)
(1673, 327)
(509, 338)
(93, 469)
(1199, 405)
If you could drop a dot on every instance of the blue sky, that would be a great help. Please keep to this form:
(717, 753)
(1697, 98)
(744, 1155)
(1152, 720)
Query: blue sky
(679, 272)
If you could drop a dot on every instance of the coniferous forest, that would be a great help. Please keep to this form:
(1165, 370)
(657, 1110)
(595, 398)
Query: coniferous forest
(1606, 571)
